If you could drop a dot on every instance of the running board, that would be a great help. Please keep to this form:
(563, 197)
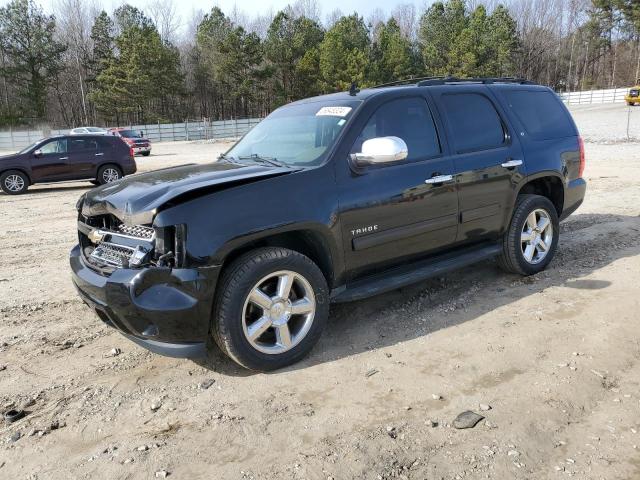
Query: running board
(402, 276)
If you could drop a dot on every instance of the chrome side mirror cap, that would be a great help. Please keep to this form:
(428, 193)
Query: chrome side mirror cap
(37, 153)
(381, 150)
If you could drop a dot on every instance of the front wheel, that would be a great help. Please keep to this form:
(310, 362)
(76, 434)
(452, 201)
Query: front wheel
(271, 307)
(14, 182)
(532, 239)
(146, 154)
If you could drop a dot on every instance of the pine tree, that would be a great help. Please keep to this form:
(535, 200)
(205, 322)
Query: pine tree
(32, 57)
(344, 54)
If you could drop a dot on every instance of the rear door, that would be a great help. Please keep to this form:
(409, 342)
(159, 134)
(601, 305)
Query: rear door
(392, 212)
(83, 154)
(487, 157)
(51, 161)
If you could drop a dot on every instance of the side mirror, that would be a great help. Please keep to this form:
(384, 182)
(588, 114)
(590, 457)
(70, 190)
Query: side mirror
(381, 150)
(37, 153)
(142, 133)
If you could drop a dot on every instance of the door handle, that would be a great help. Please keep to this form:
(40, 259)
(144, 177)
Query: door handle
(439, 179)
(512, 163)
(64, 158)
(99, 154)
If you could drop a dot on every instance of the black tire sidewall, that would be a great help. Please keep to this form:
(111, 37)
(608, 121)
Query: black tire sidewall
(530, 203)
(14, 172)
(238, 281)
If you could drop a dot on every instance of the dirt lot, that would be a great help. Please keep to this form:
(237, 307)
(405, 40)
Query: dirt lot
(556, 357)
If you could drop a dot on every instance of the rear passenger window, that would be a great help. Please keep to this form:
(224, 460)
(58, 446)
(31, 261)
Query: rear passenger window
(541, 114)
(82, 144)
(408, 119)
(474, 122)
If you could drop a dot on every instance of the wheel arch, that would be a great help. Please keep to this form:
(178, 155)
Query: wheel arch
(309, 241)
(546, 184)
(104, 164)
(17, 169)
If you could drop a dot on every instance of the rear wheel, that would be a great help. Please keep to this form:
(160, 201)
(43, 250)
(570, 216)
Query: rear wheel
(108, 174)
(531, 241)
(271, 308)
(14, 182)
(146, 154)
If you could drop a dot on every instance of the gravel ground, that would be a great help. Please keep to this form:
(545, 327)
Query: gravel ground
(551, 361)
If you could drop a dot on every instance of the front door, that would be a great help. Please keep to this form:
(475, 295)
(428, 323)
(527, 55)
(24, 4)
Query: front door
(50, 161)
(487, 156)
(393, 212)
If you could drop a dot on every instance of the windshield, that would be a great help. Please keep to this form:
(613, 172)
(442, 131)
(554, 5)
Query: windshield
(95, 129)
(296, 135)
(26, 149)
(129, 134)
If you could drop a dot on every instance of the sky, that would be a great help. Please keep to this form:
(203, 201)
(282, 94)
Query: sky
(185, 7)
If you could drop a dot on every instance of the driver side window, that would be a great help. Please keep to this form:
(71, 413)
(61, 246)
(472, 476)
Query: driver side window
(55, 146)
(408, 119)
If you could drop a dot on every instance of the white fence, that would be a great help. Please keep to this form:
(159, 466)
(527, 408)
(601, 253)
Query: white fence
(611, 95)
(156, 132)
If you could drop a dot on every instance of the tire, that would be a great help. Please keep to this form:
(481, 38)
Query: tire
(108, 173)
(631, 104)
(14, 182)
(146, 154)
(514, 244)
(94, 182)
(235, 314)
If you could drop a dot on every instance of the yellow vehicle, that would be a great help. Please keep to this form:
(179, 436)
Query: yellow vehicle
(633, 96)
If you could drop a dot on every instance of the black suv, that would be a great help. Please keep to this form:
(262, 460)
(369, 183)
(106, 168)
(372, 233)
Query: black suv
(62, 158)
(329, 199)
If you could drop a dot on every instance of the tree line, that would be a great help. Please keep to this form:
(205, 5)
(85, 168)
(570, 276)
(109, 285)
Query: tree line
(84, 65)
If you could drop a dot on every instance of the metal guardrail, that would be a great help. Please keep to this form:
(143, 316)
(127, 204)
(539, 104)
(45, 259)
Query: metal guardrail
(156, 132)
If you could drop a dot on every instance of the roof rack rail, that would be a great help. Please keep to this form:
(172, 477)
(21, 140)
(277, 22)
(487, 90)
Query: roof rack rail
(406, 81)
(484, 80)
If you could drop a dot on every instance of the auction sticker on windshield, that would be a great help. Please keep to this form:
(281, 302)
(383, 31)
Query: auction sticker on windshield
(333, 112)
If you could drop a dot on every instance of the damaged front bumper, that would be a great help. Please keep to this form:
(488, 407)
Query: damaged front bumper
(166, 310)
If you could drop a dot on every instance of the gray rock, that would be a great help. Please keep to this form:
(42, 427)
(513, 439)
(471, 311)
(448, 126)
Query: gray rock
(206, 384)
(467, 419)
(484, 407)
(162, 474)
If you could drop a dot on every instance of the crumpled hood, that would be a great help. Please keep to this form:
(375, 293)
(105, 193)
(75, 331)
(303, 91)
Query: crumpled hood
(135, 200)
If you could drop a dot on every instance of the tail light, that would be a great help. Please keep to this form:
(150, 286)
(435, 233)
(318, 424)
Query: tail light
(582, 157)
(132, 154)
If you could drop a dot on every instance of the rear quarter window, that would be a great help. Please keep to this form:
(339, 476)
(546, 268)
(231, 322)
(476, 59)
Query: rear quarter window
(541, 113)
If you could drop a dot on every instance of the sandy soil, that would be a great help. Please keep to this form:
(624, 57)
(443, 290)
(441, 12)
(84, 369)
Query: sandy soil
(556, 357)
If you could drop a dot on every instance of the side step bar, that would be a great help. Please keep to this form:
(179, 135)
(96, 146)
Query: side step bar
(416, 272)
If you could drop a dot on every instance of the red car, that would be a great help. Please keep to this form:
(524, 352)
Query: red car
(134, 139)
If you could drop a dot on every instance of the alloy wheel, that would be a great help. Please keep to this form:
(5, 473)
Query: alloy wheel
(537, 236)
(14, 183)
(278, 312)
(110, 175)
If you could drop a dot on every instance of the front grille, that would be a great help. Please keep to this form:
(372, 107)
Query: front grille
(111, 254)
(137, 231)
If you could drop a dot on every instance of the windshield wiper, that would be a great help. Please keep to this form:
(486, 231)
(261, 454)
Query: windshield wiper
(262, 159)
